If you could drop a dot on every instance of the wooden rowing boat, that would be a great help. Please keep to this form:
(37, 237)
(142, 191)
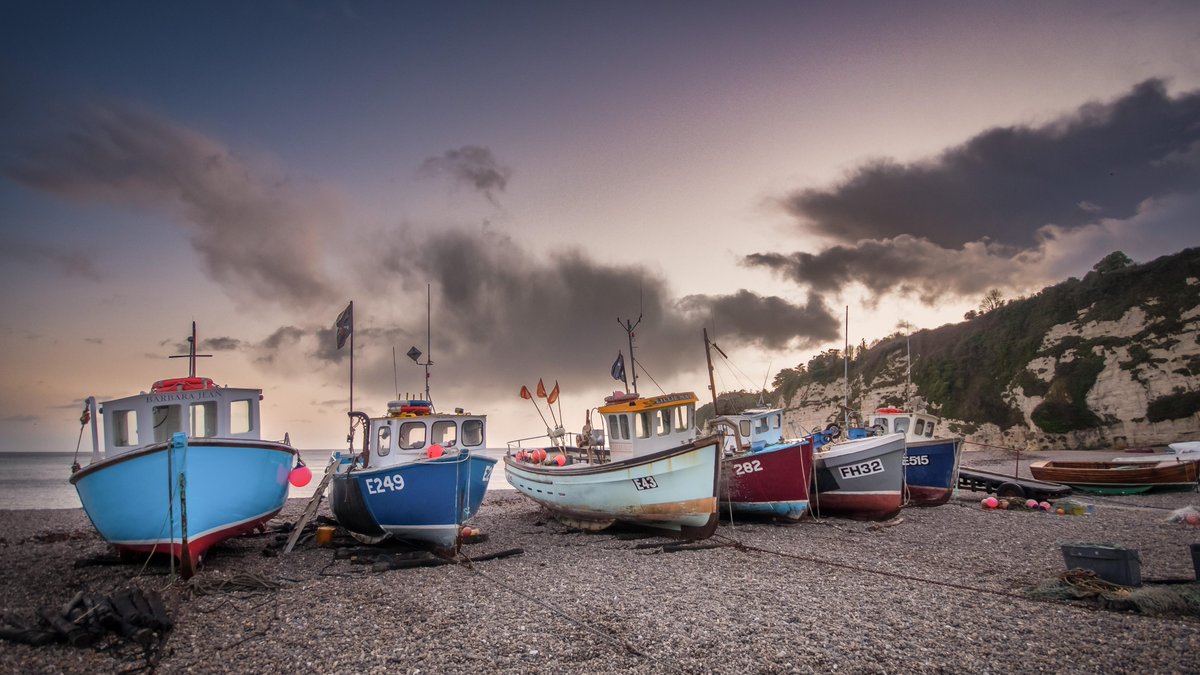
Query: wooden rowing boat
(1120, 477)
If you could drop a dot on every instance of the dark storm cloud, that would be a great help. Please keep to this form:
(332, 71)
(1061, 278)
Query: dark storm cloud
(901, 266)
(220, 344)
(498, 307)
(256, 230)
(472, 166)
(1006, 183)
(282, 339)
(771, 322)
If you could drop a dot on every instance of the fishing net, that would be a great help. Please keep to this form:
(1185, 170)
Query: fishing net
(1084, 585)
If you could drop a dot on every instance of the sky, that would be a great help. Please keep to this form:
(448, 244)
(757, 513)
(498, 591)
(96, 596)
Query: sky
(545, 171)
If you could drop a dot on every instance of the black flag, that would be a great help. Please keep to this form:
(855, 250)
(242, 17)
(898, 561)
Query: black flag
(344, 324)
(618, 368)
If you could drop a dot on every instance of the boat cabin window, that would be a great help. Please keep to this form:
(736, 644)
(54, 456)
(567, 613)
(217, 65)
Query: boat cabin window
(618, 427)
(642, 424)
(929, 429)
(204, 419)
(920, 427)
(412, 435)
(664, 421)
(445, 432)
(240, 420)
(167, 420)
(744, 428)
(683, 417)
(901, 425)
(383, 441)
(762, 426)
(776, 420)
(125, 427)
(472, 432)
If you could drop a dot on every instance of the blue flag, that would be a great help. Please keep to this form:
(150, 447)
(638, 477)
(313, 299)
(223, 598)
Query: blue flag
(618, 368)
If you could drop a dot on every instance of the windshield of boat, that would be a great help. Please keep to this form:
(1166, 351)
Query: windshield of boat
(472, 432)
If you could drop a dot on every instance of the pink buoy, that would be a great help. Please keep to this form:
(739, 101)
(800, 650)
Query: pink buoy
(300, 476)
(434, 452)
(561, 460)
(1031, 503)
(992, 502)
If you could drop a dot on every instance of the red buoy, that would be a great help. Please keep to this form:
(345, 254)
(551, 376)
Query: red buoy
(300, 476)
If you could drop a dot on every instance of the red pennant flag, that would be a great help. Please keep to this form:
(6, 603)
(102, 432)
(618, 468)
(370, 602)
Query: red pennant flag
(541, 389)
(525, 392)
(553, 393)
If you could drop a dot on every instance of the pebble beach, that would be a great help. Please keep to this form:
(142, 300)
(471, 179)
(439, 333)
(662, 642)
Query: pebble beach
(935, 590)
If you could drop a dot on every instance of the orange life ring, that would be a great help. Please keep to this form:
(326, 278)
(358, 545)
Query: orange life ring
(182, 384)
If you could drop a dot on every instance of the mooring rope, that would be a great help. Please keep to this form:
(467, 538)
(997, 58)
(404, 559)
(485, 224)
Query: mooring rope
(747, 548)
(465, 562)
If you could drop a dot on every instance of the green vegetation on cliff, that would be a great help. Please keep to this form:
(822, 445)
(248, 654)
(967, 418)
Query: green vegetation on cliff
(963, 370)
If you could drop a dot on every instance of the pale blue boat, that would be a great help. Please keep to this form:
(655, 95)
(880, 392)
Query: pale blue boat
(182, 468)
(663, 475)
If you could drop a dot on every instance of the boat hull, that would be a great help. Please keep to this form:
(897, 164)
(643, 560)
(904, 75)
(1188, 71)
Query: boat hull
(424, 501)
(230, 486)
(931, 470)
(861, 479)
(673, 490)
(772, 482)
(1121, 476)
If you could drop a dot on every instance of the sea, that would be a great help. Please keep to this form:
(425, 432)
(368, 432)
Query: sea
(40, 480)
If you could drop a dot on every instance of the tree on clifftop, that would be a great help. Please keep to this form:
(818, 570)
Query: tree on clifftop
(994, 299)
(1112, 262)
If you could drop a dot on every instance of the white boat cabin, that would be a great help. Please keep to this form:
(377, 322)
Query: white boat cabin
(409, 431)
(193, 405)
(914, 426)
(640, 426)
(756, 429)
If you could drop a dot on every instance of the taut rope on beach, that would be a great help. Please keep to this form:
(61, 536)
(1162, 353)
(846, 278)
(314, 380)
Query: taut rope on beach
(465, 562)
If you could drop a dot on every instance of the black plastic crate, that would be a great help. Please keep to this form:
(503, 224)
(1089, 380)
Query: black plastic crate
(1114, 564)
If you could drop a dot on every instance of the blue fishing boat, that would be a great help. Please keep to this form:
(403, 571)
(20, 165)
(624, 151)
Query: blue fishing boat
(183, 467)
(419, 475)
(930, 462)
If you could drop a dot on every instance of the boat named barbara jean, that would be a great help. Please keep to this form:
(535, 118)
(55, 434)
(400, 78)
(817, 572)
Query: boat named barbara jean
(183, 467)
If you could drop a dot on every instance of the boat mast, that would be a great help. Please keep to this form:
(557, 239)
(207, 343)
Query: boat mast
(414, 353)
(629, 326)
(191, 356)
(712, 385)
(428, 337)
(846, 368)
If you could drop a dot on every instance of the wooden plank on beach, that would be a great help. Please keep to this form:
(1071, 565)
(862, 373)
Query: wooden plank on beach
(313, 504)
